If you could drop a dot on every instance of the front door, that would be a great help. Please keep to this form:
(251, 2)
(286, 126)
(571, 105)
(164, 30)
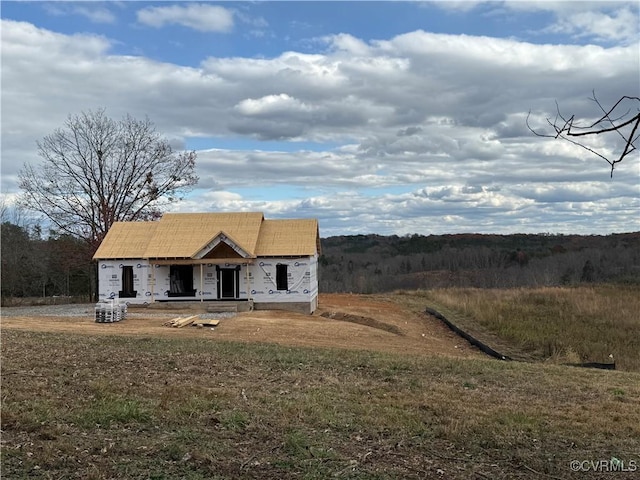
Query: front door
(228, 283)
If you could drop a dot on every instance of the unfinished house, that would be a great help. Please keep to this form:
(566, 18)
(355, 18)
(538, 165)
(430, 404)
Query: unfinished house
(212, 257)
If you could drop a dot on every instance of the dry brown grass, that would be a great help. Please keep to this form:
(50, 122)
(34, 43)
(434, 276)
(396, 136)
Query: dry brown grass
(584, 324)
(98, 407)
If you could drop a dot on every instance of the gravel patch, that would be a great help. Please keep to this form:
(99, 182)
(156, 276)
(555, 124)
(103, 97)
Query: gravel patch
(88, 310)
(209, 316)
(69, 310)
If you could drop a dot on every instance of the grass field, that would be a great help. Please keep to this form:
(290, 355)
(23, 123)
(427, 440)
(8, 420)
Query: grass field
(98, 407)
(579, 324)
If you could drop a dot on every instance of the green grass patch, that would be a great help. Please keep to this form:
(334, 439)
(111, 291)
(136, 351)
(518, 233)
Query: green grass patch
(110, 409)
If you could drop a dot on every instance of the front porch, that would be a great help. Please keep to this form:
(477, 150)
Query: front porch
(223, 306)
(206, 306)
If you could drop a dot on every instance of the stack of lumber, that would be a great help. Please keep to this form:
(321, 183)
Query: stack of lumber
(180, 322)
(206, 323)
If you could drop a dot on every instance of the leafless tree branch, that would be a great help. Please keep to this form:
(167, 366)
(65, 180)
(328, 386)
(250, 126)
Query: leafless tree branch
(97, 171)
(625, 124)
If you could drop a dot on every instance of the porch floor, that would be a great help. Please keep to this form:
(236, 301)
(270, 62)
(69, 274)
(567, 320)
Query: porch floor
(209, 306)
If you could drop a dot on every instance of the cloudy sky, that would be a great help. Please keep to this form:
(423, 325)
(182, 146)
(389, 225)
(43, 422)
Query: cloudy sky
(374, 117)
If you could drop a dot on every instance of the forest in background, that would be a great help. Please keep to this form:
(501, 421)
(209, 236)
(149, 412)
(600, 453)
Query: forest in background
(374, 263)
(38, 265)
(35, 265)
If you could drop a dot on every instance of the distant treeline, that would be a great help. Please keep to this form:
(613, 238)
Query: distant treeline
(374, 263)
(35, 265)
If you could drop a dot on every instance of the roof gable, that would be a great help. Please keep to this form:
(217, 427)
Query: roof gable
(222, 246)
(222, 251)
(184, 235)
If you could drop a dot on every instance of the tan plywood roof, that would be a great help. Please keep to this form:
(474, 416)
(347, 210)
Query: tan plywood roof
(288, 237)
(184, 235)
(126, 240)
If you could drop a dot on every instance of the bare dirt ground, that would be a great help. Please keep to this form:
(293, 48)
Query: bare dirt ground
(342, 321)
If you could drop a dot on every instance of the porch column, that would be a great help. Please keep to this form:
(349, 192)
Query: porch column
(201, 282)
(153, 282)
(246, 266)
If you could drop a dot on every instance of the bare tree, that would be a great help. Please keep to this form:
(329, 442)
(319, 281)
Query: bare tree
(97, 170)
(621, 119)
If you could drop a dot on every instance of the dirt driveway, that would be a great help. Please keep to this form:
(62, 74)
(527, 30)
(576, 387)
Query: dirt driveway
(342, 321)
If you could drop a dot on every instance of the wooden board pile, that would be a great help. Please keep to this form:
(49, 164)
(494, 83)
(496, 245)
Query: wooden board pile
(180, 322)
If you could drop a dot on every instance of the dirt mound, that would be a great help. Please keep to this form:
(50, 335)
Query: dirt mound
(367, 321)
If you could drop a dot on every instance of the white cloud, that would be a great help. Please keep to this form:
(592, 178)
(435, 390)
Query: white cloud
(456, 5)
(199, 16)
(270, 105)
(94, 13)
(425, 131)
(618, 25)
(348, 44)
(598, 21)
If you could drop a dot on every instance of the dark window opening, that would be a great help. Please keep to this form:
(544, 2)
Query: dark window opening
(181, 281)
(127, 283)
(282, 277)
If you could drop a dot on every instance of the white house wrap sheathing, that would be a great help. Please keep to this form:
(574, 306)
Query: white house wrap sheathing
(110, 279)
(300, 286)
(151, 282)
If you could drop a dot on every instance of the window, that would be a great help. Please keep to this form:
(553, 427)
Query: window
(282, 277)
(181, 281)
(127, 283)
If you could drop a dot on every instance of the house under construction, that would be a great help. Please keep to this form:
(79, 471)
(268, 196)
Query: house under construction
(212, 257)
